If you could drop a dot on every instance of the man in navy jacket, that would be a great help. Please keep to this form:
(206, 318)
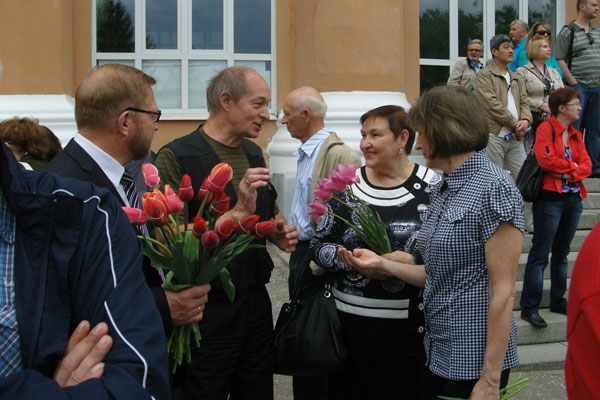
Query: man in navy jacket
(74, 257)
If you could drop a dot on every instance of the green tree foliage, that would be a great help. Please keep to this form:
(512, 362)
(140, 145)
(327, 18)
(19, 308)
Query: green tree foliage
(434, 34)
(114, 28)
(504, 17)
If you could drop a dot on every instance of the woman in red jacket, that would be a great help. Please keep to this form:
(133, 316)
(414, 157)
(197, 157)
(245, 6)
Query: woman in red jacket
(560, 151)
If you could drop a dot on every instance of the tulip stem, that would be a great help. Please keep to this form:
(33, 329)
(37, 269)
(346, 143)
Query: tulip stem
(157, 243)
(164, 235)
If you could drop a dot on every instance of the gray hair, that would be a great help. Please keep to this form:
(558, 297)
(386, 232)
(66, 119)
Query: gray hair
(308, 100)
(475, 41)
(497, 40)
(522, 23)
(231, 81)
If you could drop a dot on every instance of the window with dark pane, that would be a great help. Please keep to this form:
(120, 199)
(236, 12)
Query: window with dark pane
(470, 23)
(115, 26)
(252, 26)
(207, 24)
(434, 29)
(506, 12)
(161, 24)
(433, 75)
(543, 11)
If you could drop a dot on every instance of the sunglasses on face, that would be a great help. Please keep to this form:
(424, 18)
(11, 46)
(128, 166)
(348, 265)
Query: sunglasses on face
(590, 38)
(543, 33)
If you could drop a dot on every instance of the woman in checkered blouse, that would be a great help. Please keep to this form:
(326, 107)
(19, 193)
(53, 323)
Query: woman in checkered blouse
(470, 240)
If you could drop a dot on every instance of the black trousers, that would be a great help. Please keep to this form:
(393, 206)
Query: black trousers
(235, 357)
(306, 387)
(438, 386)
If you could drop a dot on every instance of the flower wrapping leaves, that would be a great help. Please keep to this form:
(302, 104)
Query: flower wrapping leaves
(150, 175)
(135, 215)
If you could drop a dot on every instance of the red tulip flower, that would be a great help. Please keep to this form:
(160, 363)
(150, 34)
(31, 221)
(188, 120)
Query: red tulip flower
(224, 229)
(203, 193)
(135, 215)
(155, 207)
(264, 228)
(219, 177)
(150, 175)
(173, 201)
(220, 204)
(209, 240)
(246, 225)
(186, 191)
(199, 227)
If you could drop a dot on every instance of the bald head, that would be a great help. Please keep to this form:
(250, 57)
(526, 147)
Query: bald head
(307, 97)
(304, 112)
(107, 91)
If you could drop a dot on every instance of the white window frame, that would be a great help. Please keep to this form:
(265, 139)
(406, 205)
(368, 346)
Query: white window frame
(489, 26)
(185, 53)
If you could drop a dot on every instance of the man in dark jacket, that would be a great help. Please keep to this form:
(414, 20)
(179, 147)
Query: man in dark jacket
(69, 258)
(116, 116)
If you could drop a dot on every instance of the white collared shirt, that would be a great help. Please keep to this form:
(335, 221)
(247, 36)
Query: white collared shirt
(111, 167)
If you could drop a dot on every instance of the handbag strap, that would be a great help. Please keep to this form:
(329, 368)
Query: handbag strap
(295, 295)
(553, 134)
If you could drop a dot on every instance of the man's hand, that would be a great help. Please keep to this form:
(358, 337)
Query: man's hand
(187, 306)
(253, 179)
(521, 128)
(285, 235)
(84, 354)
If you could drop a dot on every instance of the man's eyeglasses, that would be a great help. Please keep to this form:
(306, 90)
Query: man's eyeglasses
(590, 38)
(542, 32)
(475, 50)
(156, 114)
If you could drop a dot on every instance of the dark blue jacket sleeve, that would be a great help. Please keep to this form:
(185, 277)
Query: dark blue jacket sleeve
(105, 283)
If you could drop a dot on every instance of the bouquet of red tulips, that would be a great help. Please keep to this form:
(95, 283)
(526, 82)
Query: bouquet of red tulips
(369, 227)
(197, 256)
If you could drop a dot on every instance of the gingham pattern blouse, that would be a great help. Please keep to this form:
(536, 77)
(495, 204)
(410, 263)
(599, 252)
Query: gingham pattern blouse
(466, 209)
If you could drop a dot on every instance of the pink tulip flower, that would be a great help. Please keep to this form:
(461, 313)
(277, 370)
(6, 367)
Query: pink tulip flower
(317, 208)
(186, 191)
(135, 215)
(173, 201)
(150, 175)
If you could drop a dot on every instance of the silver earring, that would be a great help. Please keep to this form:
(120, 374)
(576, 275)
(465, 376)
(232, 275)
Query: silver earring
(401, 151)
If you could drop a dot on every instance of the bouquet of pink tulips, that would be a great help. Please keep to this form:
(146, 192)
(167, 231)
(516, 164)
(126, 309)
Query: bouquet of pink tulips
(370, 228)
(197, 256)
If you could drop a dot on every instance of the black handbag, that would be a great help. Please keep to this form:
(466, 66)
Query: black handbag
(308, 337)
(530, 178)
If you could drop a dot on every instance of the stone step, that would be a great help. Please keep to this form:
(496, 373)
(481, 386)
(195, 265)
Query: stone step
(545, 296)
(592, 185)
(541, 357)
(592, 201)
(588, 219)
(556, 331)
(523, 261)
(578, 240)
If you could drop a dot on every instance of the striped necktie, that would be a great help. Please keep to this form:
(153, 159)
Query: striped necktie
(134, 201)
(132, 196)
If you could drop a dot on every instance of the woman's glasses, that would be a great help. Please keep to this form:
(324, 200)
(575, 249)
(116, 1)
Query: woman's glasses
(542, 32)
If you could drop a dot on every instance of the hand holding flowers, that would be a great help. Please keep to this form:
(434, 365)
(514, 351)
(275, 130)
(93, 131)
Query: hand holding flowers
(197, 256)
(369, 227)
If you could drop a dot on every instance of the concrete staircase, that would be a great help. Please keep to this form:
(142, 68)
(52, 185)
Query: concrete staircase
(544, 349)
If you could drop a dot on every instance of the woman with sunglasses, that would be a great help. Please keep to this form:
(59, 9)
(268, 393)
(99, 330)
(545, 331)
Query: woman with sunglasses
(540, 80)
(537, 31)
(561, 153)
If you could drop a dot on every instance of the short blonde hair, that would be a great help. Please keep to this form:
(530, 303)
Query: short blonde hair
(451, 120)
(532, 48)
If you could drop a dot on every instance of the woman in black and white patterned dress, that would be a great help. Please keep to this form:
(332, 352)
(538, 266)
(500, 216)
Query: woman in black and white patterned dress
(471, 240)
(382, 316)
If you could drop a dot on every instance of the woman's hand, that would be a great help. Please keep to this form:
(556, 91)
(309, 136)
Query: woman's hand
(400, 257)
(366, 262)
(559, 176)
(485, 390)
